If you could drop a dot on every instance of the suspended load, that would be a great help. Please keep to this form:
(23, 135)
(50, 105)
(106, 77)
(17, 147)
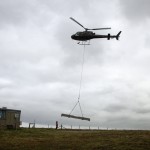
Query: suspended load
(75, 117)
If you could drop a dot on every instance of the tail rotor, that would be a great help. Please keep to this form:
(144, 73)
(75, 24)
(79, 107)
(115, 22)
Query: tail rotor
(118, 35)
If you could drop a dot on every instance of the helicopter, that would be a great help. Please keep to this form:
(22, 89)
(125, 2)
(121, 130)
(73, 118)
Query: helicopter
(87, 35)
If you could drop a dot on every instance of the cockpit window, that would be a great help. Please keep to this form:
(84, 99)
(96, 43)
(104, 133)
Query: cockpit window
(77, 34)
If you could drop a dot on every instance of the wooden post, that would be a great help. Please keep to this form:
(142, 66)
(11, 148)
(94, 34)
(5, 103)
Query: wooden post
(34, 124)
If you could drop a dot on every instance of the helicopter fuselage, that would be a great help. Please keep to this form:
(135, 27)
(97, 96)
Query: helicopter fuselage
(83, 36)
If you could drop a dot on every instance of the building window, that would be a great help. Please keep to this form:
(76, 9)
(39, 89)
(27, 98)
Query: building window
(17, 116)
(2, 114)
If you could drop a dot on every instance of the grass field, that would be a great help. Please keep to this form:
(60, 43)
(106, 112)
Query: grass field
(51, 139)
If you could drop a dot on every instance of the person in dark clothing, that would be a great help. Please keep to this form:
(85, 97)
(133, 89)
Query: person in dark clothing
(56, 124)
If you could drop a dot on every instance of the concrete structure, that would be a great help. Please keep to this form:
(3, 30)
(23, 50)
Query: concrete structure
(76, 117)
(9, 118)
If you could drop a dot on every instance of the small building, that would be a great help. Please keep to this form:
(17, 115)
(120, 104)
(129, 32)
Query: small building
(9, 118)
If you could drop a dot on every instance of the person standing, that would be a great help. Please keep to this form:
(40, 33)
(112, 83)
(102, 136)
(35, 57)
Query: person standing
(56, 124)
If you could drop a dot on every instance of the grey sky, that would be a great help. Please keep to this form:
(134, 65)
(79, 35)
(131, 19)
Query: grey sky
(40, 64)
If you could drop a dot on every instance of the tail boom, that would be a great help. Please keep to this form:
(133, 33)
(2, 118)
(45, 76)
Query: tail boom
(108, 36)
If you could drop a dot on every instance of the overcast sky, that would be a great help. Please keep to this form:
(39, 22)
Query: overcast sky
(40, 65)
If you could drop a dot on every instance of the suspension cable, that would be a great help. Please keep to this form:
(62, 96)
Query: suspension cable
(81, 73)
(74, 108)
(80, 109)
(79, 95)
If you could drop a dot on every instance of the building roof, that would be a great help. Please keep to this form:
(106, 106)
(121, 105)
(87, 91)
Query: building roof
(5, 108)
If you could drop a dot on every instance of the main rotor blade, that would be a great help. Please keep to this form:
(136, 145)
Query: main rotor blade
(100, 29)
(77, 22)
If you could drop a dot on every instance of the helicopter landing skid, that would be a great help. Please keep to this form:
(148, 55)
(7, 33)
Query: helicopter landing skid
(84, 43)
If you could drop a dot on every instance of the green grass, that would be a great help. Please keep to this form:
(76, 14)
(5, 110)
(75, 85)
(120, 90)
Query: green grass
(50, 139)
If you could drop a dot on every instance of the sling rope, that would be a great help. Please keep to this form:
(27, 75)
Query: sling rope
(80, 85)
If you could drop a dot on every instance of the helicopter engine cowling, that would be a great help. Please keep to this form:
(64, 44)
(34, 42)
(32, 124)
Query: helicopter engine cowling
(108, 38)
